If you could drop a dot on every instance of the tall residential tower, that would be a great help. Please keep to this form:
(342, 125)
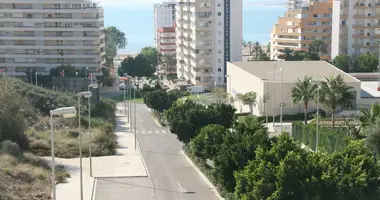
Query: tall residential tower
(354, 27)
(44, 34)
(163, 18)
(209, 33)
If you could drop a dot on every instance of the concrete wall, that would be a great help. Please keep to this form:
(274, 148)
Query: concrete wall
(240, 82)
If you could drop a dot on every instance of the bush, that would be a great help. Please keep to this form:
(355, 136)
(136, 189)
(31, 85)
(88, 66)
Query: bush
(11, 148)
(330, 140)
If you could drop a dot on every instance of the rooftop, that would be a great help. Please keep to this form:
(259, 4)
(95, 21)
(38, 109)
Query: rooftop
(369, 89)
(292, 70)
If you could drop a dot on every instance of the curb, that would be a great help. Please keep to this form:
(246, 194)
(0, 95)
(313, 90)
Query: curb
(142, 158)
(204, 177)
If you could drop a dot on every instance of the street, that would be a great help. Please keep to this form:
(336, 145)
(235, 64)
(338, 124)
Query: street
(171, 177)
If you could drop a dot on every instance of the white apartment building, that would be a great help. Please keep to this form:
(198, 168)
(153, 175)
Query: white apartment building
(354, 26)
(42, 34)
(299, 4)
(209, 33)
(163, 16)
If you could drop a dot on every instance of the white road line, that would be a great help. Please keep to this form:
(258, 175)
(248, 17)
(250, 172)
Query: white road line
(163, 131)
(181, 189)
(157, 132)
(150, 132)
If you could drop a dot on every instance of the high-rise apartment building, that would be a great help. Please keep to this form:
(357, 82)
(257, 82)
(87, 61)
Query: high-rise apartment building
(299, 4)
(299, 27)
(209, 33)
(354, 27)
(163, 17)
(44, 34)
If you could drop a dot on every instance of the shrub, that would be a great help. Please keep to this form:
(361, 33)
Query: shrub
(11, 148)
(40, 145)
(330, 140)
(34, 160)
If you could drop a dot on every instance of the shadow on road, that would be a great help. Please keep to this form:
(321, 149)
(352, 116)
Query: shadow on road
(141, 186)
(164, 153)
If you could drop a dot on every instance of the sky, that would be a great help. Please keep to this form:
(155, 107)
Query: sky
(150, 2)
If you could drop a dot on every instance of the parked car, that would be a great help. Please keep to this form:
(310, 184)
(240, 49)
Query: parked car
(322, 113)
(195, 89)
(121, 86)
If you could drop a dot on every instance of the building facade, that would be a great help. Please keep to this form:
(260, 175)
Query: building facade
(299, 4)
(354, 27)
(209, 33)
(43, 35)
(299, 27)
(163, 17)
(273, 81)
(166, 41)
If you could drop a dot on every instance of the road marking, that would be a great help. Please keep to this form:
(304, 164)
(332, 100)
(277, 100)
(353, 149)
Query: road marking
(157, 132)
(149, 132)
(142, 132)
(181, 189)
(163, 131)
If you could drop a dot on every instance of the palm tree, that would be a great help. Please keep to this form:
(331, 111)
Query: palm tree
(334, 92)
(304, 92)
(317, 47)
(287, 54)
(257, 50)
(369, 116)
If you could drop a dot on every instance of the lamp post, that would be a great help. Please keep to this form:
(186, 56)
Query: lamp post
(378, 41)
(76, 77)
(35, 74)
(230, 84)
(67, 112)
(317, 121)
(282, 97)
(30, 70)
(89, 125)
(86, 94)
(130, 103)
(134, 99)
(265, 100)
(274, 94)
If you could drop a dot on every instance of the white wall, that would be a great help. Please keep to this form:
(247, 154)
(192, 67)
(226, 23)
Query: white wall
(335, 29)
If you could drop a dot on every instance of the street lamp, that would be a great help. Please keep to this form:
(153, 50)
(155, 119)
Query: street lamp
(317, 121)
(274, 95)
(30, 70)
(86, 94)
(89, 125)
(67, 112)
(230, 83)
(282, 100)
(265, 100)
(76, 77)
(134, 98)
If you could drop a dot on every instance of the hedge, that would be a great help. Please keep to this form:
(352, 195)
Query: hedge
(330, 140)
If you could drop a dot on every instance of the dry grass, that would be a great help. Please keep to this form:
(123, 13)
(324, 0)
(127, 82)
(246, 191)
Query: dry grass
(26, 177)
(67, 143)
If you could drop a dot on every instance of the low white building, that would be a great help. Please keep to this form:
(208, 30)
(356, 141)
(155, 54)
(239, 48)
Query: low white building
(267, 78)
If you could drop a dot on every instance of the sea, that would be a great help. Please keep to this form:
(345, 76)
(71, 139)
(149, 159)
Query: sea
(136, 21)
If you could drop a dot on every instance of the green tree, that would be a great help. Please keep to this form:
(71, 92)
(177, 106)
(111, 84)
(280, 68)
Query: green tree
(366, 63)
(187, 118)
(342, 62)
(318, 47)
(304, 92)
(69, 71)
(335, 92)
(285, 172)
(152, 54)
(15, 114)
(371, 131)
(237, 149)
(248, 99)
(369, 116)
(257, 50)
(220, 95)
(207, 143)
(139, 66)
(114, 40)
(159, 101)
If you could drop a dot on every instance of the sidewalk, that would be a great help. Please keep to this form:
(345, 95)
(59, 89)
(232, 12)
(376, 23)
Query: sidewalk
(126, 163)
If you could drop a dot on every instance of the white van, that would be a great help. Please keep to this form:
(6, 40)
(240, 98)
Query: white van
(195, 89)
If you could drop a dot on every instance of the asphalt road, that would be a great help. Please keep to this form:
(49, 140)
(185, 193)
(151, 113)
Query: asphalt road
(171, 176)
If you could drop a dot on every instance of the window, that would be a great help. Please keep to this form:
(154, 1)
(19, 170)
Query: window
(219, 69)
(219, 51)
(219, 42)
(206, 70)
(219, 32)
(219, 60)
(219, 14)
(315, 15)
(198, 78)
